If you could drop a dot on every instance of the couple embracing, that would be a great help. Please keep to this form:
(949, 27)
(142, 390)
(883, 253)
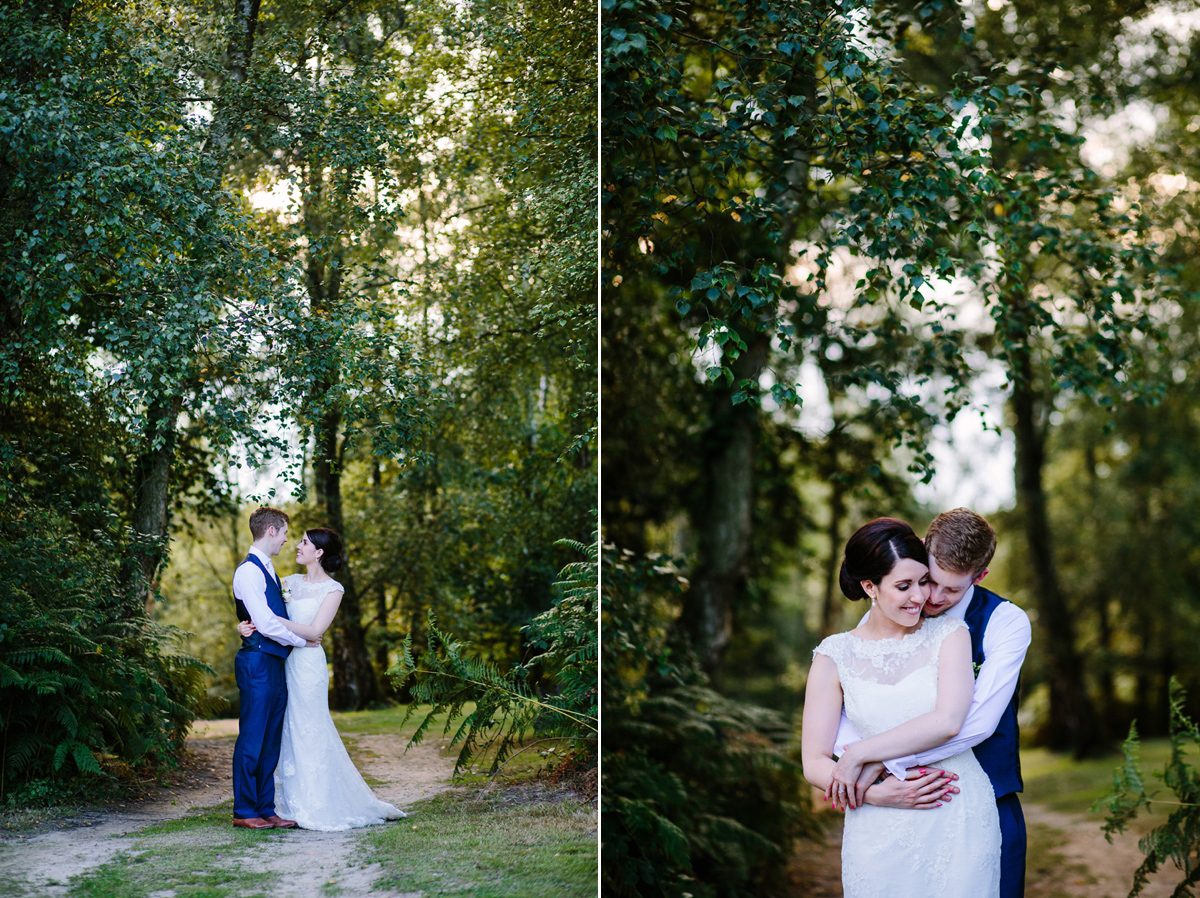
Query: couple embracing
(910, 719)
(290, 767)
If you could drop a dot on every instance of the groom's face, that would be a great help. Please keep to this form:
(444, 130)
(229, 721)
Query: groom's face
(277, 539)
(946, 588)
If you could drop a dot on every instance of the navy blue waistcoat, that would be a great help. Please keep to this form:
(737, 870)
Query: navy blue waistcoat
(256, 642)
(997, 754)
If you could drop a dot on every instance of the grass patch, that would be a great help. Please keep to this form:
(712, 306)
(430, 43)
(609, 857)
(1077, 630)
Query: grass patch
(520, 842)
(1063, 784)
(387, 721)
(198, 856)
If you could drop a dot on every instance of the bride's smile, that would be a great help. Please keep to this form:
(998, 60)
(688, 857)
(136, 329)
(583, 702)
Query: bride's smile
(897, 600)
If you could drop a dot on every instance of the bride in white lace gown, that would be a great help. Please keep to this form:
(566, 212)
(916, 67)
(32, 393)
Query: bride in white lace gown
(316, 783)
(906, 682)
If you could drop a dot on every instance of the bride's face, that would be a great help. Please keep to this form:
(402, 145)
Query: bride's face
(902, 593)
(306, 552)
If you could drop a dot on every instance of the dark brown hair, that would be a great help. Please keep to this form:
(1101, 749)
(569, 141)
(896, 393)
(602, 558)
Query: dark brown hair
(330, 544)
(873, 551)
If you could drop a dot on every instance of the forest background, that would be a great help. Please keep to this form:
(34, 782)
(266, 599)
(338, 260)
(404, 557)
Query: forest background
(335, 256)
(838, 237)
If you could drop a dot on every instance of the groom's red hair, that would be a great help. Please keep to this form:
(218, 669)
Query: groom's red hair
(961, 541)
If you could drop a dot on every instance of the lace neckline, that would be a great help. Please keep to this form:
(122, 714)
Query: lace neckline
(903, 636)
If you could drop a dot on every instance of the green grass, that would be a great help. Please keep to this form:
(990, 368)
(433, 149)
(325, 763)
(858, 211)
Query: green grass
(389, 720)
(1063, 784)
(491, 845)
(198, 856)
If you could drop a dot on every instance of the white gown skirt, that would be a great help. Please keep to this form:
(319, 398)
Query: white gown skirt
(316, 783)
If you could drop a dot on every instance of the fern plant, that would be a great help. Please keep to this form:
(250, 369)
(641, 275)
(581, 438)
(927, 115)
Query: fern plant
(552, 696)
(89, 688)
(1177, 840)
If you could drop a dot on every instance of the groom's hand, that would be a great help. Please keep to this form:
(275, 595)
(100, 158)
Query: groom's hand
(925, 788)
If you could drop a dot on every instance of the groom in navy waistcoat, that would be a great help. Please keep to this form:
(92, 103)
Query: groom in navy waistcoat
(961, 545)
(258, 668)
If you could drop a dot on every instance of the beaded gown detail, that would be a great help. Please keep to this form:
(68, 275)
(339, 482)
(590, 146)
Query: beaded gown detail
(316, 783)
(952, 851)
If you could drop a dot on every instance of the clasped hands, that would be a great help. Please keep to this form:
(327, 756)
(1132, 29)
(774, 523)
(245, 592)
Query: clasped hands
(924, 788)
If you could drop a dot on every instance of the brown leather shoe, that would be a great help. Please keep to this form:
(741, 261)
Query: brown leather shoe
(252, 823)
(279, 823)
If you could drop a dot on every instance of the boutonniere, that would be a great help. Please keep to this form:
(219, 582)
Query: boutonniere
(976, 668)
(287, 596)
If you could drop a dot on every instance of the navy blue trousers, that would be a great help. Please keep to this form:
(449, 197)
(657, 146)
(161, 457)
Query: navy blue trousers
(263, 690)
(1012, 846)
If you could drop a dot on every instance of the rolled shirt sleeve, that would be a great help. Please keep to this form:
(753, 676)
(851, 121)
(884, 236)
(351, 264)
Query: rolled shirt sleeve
(250, 586)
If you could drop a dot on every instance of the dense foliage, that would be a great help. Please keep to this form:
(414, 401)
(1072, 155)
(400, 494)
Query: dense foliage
(702, 794)
(89, 692)
(549, 700)
(345, 251)
(832, 227)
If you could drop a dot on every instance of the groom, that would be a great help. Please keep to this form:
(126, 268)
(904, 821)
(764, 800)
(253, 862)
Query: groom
(960, 545)
(258, 667)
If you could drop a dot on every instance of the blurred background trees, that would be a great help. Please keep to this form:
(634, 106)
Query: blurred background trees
(339, 258)
(886, 260)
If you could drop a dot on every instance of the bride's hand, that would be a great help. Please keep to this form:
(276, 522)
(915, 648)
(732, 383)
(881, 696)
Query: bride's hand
(841, 792)
(245, 627)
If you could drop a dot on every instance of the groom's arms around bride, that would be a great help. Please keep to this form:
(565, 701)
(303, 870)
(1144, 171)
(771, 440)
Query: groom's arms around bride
(250, 586)
(1006, 640)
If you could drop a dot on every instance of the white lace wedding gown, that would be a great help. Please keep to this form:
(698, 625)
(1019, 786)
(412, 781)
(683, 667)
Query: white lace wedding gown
(949, 852)
(316, 783)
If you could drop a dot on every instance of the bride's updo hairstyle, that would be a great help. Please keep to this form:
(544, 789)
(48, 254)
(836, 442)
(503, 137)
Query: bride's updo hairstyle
(873, 551)
(332, 554)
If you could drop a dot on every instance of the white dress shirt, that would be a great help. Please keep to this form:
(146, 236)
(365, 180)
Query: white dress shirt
(1005, 641)
(250, 586)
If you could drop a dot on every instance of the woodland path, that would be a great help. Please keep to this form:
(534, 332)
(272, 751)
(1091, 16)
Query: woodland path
(41, 861)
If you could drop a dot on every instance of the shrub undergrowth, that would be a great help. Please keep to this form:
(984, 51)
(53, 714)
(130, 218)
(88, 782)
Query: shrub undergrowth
(90, 693)
(548, 699)
(702, 794)
(1178, 839)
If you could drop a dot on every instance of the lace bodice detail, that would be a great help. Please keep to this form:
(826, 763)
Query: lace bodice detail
(952, 851)
(873, 674)
(306, 598)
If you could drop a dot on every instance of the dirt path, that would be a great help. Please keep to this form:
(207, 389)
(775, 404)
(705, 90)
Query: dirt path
(1082, 864)
(43, 861)
(1075, 860)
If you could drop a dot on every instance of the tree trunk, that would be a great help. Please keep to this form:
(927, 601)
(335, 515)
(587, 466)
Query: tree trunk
(151, 519)
(1100, 599)
(725, 522)
(837, 514)
(355, 685)
(1073, 724)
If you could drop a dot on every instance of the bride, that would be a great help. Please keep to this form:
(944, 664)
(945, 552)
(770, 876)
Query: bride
(316, 783)
(907, 683)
